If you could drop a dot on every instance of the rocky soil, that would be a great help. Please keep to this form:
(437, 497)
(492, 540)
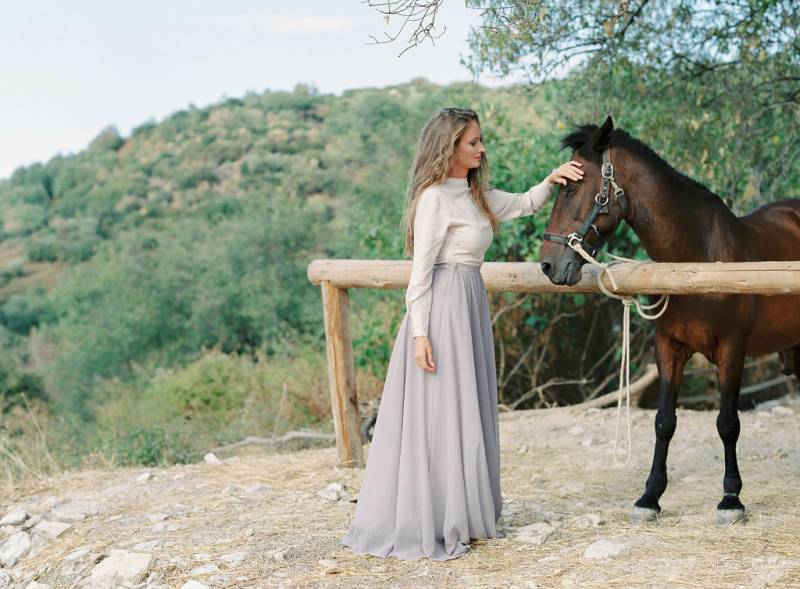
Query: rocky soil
(256, 520)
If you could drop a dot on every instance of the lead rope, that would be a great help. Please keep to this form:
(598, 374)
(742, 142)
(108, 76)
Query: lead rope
(625, 361)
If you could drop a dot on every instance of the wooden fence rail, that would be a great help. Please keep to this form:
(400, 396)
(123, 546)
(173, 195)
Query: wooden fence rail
(335, 277)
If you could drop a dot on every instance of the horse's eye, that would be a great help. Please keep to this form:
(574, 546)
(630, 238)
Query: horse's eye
(571, 188)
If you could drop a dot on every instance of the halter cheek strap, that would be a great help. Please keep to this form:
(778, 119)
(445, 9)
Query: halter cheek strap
(600, 208)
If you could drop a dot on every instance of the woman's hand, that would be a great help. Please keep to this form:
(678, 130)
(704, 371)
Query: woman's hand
(567, 171)
(423, 354)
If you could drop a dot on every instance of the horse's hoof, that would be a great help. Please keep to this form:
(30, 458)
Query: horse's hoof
(730, 516)
(644, 514)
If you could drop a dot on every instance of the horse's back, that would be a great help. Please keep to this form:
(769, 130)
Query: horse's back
(773, 231)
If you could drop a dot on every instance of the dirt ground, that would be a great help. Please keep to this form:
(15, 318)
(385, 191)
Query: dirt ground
(557, 469)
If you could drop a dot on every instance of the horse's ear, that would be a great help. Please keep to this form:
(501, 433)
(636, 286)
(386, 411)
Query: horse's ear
(602, 136)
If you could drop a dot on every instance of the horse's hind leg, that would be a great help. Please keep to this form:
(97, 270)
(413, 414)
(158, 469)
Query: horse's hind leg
(671, 357)
(730, 361)
(790, 360)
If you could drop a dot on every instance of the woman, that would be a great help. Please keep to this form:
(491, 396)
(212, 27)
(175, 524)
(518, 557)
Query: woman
(432, 480)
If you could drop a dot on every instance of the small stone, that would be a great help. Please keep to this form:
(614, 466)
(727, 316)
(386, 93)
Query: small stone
(130, 566)
(14, 517)
(211, 458)
(781, 410)
(233, 559)
(379, 570)
(204, 569)
(147, 546)
(576, 430)
(330, 493)
(76, 554)
(144, 477)
(345, 497)
(202, 557)
(593, 519)
(259, 488)
(522, 449)
(278, 555)
(51, 529)
(605, 549)
(157, 517)
(73, 511)
(5, 580)
(13, 548)
(328, 564)
(37, 585)
(232, 489)
(535, 534)
(586, 442)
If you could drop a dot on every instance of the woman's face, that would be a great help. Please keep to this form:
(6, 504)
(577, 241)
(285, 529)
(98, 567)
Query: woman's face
(470, 149)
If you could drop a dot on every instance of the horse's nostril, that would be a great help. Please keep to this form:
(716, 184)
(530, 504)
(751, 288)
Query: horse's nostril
(546, 268)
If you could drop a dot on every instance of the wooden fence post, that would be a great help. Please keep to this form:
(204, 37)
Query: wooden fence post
(342, 374)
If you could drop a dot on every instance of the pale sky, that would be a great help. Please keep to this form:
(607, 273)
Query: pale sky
(69, 69)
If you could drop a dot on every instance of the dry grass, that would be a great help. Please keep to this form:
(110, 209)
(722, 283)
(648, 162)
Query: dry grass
(548, 475)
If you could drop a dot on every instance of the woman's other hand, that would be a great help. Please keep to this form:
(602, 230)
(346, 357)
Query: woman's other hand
(423, 354)
(566, 171)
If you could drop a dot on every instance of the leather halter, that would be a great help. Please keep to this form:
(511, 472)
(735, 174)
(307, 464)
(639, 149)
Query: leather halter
(600, 207)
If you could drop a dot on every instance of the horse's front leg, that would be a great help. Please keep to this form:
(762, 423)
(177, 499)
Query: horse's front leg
(671, 357)
(730, 361)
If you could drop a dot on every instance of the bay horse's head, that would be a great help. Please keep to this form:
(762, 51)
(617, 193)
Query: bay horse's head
(585, 211)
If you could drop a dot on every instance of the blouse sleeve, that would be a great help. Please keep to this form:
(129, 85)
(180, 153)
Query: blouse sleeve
(507, 205)
(430, 228)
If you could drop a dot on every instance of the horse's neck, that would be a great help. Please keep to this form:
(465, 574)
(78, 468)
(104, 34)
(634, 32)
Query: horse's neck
(674, 221)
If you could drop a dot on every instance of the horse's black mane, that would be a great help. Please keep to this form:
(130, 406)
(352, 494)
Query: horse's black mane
(578, 140)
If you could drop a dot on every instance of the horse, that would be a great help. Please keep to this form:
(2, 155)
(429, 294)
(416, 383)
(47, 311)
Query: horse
(678, 219)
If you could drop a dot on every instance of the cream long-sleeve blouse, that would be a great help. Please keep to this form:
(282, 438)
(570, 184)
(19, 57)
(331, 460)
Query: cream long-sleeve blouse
(449, 227)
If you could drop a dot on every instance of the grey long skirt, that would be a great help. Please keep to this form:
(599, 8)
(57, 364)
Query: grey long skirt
(432, 480)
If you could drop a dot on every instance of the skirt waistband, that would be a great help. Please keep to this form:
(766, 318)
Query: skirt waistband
(459, 266)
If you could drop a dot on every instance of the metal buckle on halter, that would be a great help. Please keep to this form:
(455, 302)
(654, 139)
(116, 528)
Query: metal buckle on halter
(598, 198)
(574, 237)
(607, 170)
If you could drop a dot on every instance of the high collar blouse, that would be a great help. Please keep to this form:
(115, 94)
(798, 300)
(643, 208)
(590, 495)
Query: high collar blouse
(449, 227)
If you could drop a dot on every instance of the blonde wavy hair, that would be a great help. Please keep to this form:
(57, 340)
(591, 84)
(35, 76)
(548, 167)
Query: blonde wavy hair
(433, 161)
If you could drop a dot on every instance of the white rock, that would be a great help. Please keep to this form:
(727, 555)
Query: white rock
(205, 569)
(233, 559)
(211, 458)
(157, 517)
(592, 519)
(5, 580)
(76, 554)
(330, 494)
(259, 488)
(278, 555)
(37, 585)
(576, 430)
(32, 521)
(145, 476)
(192, 584)
(586, 442)
(14, 517)
(147, 546)
(13, 548)
(73, 511)
(328, 564)
(605, 548)
(535, 534)
(130, 566)
(781, 410)
(51, 529)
